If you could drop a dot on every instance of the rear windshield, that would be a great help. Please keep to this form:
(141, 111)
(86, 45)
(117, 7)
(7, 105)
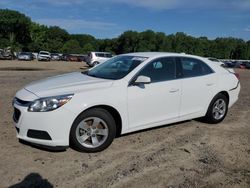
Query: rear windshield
(103, 55)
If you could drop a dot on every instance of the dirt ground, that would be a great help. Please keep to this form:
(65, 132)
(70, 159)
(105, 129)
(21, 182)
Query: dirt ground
(189, 154)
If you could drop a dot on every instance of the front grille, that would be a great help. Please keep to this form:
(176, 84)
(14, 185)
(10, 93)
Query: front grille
(16, 115)
(21, 102)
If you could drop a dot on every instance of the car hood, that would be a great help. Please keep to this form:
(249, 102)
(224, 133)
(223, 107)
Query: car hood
(66, 84)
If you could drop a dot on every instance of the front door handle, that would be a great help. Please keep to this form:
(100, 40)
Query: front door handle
(210, 84)
(173, 90)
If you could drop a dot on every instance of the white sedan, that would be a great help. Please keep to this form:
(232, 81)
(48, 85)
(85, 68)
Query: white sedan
(130, 92)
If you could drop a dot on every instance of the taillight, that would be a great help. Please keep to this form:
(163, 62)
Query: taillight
(237, 75)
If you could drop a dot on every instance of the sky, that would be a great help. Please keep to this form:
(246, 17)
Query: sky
(110, 18)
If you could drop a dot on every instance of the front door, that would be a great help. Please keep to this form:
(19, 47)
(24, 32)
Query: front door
(159, 100)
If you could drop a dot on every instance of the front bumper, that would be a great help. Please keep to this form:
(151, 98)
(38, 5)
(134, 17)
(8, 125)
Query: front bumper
(43, 128)
(40, 58)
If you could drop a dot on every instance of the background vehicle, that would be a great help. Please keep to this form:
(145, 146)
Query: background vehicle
(95, 58)
(247, 65)
(25, 56)
(229, 64)
(43, 56)
(7, 54)
(240, 65)
(127, 93)
(216, 60)
(73, 57)
(55, 56)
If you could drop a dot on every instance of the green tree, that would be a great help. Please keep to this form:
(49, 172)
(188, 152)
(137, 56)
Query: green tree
(72, 46)
(127, 42)
(15, 27)
(88, 48)
(84, 39)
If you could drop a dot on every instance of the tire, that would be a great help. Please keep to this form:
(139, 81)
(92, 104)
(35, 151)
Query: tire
(92, 131)
(95, 63)
(217, 109)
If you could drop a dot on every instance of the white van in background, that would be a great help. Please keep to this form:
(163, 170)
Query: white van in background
(95, 58)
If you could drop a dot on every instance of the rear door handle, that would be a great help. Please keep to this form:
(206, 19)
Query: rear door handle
(173, 90)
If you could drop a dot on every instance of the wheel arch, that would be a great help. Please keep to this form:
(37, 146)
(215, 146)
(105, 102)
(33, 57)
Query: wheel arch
(113, 112)
(225, 93)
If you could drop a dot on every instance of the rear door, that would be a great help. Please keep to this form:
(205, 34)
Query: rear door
(198, 87)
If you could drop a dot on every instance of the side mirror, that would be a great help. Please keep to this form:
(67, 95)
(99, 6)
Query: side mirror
(142, 80)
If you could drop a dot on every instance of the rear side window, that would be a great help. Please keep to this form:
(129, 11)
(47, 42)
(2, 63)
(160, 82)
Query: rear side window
(193, 67)
(99, 55)
(108, 55)
(162, 69)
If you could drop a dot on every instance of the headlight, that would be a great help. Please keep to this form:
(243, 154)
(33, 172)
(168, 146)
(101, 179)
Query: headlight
(49, 103)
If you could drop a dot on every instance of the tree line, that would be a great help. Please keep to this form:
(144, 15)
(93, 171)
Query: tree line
(19, 32)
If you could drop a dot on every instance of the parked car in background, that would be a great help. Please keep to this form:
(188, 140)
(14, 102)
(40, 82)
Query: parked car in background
(72, 57)
(55, 56)
(82, 57)
(240, 65)
(217, 61)
(127, 93)
(25, 56)
(229, 64)
(43, 56)
(7, 54)
(64, 57)
(95, 58)
(247, 65)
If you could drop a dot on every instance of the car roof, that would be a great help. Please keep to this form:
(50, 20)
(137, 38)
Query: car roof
(161, 54)
(103, 52)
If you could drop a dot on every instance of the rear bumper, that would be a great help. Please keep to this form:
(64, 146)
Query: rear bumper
(234, 94)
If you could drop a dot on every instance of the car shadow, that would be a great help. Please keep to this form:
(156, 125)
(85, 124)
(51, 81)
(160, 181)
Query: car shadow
(63, 149)
(33, 180)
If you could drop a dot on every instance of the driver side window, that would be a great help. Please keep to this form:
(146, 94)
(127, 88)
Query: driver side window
(159, 70)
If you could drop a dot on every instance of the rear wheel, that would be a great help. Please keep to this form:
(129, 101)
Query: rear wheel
(217, 110)
(93, 131)
(95, 63)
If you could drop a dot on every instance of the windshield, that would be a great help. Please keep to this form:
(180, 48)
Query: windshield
(116, 68)
(24, 53)
(44, 53)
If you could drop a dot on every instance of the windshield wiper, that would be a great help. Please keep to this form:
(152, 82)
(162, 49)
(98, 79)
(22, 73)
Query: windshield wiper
(87, 73)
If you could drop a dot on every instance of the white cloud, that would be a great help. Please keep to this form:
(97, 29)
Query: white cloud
(149, 4)
(79, 24)
(159, 4)
(247, 29)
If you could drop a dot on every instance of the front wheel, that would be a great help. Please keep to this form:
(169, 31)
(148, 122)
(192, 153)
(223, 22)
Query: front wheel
(93, 131)
(217, 110)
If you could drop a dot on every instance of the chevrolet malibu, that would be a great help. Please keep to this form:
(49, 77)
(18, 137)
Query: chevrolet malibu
(127, 93)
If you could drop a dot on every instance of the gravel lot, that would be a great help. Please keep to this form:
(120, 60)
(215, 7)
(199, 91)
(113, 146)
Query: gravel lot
(188, 154)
